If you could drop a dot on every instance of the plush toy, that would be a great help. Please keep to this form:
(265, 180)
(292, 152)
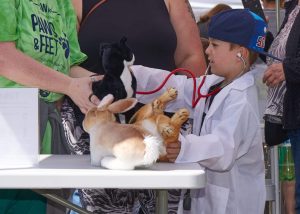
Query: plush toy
(118, 80)
(127, 146)
(168, 128)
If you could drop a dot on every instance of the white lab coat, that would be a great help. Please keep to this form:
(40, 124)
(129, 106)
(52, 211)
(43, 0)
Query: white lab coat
(229, 144)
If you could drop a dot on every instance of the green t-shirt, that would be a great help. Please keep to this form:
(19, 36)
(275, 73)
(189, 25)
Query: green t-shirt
(44, 30)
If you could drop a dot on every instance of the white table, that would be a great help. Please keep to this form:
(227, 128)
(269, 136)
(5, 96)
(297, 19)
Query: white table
(70, 171)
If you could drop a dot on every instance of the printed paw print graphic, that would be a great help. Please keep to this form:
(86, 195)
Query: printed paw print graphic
(44, 93)
(65, 45)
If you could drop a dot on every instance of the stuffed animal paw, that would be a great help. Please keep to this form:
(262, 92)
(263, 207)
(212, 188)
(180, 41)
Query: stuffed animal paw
(170, 131)
(156, 107)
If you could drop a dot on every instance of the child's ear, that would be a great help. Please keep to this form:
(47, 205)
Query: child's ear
(244, 52)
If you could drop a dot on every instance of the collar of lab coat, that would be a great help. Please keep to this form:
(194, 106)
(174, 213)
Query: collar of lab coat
(241, 83)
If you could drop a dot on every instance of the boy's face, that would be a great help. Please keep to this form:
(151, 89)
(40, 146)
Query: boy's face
(223, 59)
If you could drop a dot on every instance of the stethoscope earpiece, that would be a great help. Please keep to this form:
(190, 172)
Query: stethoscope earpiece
(239, 55)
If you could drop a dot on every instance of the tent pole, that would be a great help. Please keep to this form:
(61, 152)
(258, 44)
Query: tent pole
(277, 14)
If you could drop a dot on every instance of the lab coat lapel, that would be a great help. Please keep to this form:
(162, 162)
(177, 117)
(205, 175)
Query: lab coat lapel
(218, 100)
(239, 84)
(199, 109)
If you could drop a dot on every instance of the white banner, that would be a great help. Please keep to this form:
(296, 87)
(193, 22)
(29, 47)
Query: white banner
(19, 127)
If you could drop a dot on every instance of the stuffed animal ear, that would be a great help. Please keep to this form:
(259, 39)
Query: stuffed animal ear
(122, 105)
(101, 48)
(108, 99)
(123, 40)
(89, 119)
(126, 51)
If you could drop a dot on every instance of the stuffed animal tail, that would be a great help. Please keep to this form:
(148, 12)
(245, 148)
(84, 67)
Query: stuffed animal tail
(154, 148)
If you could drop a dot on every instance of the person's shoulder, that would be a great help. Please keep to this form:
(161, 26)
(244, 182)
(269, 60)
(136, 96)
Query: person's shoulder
(65, 6)
(244, 82)
(168, 4)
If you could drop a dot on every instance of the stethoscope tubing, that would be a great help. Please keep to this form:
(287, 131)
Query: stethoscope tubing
(195, 88)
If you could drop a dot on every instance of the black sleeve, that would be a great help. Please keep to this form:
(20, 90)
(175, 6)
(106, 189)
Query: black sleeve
(291, 63)
(291, 67)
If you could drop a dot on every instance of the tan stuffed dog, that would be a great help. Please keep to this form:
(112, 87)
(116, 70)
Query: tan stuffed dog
(168, 128)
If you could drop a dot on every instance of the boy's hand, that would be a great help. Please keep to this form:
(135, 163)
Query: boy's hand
(173, 150)
(274, 75)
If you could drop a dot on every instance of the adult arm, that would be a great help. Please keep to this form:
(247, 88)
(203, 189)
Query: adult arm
(77, 72)
(288, 70)
(189, 52)
(77, 4)
(20, 68)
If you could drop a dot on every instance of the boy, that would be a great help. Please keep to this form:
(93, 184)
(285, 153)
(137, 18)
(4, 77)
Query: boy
(226, 137)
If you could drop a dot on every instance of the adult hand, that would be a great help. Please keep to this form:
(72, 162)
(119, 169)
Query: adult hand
(173, 150)
(80, 91)
(274, 75)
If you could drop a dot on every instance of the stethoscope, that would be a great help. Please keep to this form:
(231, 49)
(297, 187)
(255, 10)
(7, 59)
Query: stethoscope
(195, 99)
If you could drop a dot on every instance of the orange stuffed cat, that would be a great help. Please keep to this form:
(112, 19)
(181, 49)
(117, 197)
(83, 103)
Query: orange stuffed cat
(168, 128)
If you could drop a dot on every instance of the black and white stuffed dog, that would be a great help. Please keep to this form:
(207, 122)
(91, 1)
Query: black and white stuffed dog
(118, 80)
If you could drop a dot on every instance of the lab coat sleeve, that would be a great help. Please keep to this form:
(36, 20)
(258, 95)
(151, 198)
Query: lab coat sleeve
(229, 139)
(191, 143)
(149, 79)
